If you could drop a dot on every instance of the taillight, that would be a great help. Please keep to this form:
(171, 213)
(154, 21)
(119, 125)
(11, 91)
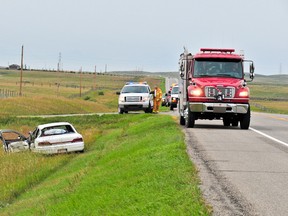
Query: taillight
(45, 143)
(79, 139)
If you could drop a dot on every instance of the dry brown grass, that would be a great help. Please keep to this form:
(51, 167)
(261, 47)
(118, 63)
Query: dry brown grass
(41, 95)
(271, 106)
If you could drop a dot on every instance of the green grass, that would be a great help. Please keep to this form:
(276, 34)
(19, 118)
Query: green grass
(127, 169)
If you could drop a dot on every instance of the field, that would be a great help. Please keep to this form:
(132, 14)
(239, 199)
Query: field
(60, 92)
(269, 94)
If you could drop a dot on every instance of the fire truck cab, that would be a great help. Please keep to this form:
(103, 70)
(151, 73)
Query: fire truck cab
(212, 85)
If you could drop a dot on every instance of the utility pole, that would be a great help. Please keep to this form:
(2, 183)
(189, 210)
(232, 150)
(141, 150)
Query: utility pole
(59, 62)
(58, 73)
(94, 86)
(80, 81)
(21, 73)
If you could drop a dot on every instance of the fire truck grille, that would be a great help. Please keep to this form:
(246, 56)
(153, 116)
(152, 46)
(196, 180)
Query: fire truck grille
(133, 99)
(228, 92)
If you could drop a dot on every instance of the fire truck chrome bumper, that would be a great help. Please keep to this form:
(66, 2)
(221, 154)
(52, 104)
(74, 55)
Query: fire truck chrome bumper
(219, 107)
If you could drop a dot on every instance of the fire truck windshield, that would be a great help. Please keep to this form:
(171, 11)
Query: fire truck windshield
(218, 68)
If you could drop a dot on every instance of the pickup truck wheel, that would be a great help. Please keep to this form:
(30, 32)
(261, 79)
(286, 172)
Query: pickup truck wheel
(120, 111)
(245, 121)
(190, 119)
(182, 120)
(149, 109)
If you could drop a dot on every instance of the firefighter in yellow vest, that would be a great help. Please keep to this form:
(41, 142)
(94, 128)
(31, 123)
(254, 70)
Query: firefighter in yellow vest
(157, 99)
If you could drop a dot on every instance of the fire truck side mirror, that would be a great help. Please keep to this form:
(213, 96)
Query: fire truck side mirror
(181, 69)
(252, 68)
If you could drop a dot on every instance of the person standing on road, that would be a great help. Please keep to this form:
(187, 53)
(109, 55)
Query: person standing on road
(157, 99)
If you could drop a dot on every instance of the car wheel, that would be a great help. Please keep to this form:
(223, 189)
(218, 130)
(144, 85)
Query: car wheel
(8, 149)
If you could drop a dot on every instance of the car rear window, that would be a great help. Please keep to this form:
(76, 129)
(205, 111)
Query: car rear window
(57, 130)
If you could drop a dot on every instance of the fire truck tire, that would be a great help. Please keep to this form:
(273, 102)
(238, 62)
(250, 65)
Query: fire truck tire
(245, 120)
(182, 120)
(190, 120)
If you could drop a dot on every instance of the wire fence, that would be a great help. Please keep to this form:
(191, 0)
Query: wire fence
(5, 93)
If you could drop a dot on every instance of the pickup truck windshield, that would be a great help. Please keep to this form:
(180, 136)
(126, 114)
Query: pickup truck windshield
(175, 90)
(135, 89)
(215, 68)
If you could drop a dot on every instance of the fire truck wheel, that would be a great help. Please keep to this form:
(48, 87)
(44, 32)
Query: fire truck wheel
(190, 120)
(245, 121)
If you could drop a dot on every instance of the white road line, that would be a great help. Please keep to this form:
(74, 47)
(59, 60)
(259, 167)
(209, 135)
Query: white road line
(269, 137)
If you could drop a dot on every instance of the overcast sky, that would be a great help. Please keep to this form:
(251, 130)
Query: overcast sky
(144, 35)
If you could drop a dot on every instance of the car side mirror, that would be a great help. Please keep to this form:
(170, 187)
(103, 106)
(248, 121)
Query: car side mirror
(117, 93)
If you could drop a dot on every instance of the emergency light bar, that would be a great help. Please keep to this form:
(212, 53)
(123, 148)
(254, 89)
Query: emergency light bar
(131, 83)
(217, 50)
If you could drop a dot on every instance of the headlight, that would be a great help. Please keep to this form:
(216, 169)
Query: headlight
(145, 99)
(196, 92)
(244, 93)
(121, 98)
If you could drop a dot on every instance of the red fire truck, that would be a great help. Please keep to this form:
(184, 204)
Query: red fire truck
(212, 85)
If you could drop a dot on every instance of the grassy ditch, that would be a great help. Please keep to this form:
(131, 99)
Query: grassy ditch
(133, 165)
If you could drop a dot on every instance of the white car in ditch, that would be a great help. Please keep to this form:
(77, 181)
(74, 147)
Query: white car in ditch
(52, 138)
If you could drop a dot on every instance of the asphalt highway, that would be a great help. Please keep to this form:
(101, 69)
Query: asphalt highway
(243, 172)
